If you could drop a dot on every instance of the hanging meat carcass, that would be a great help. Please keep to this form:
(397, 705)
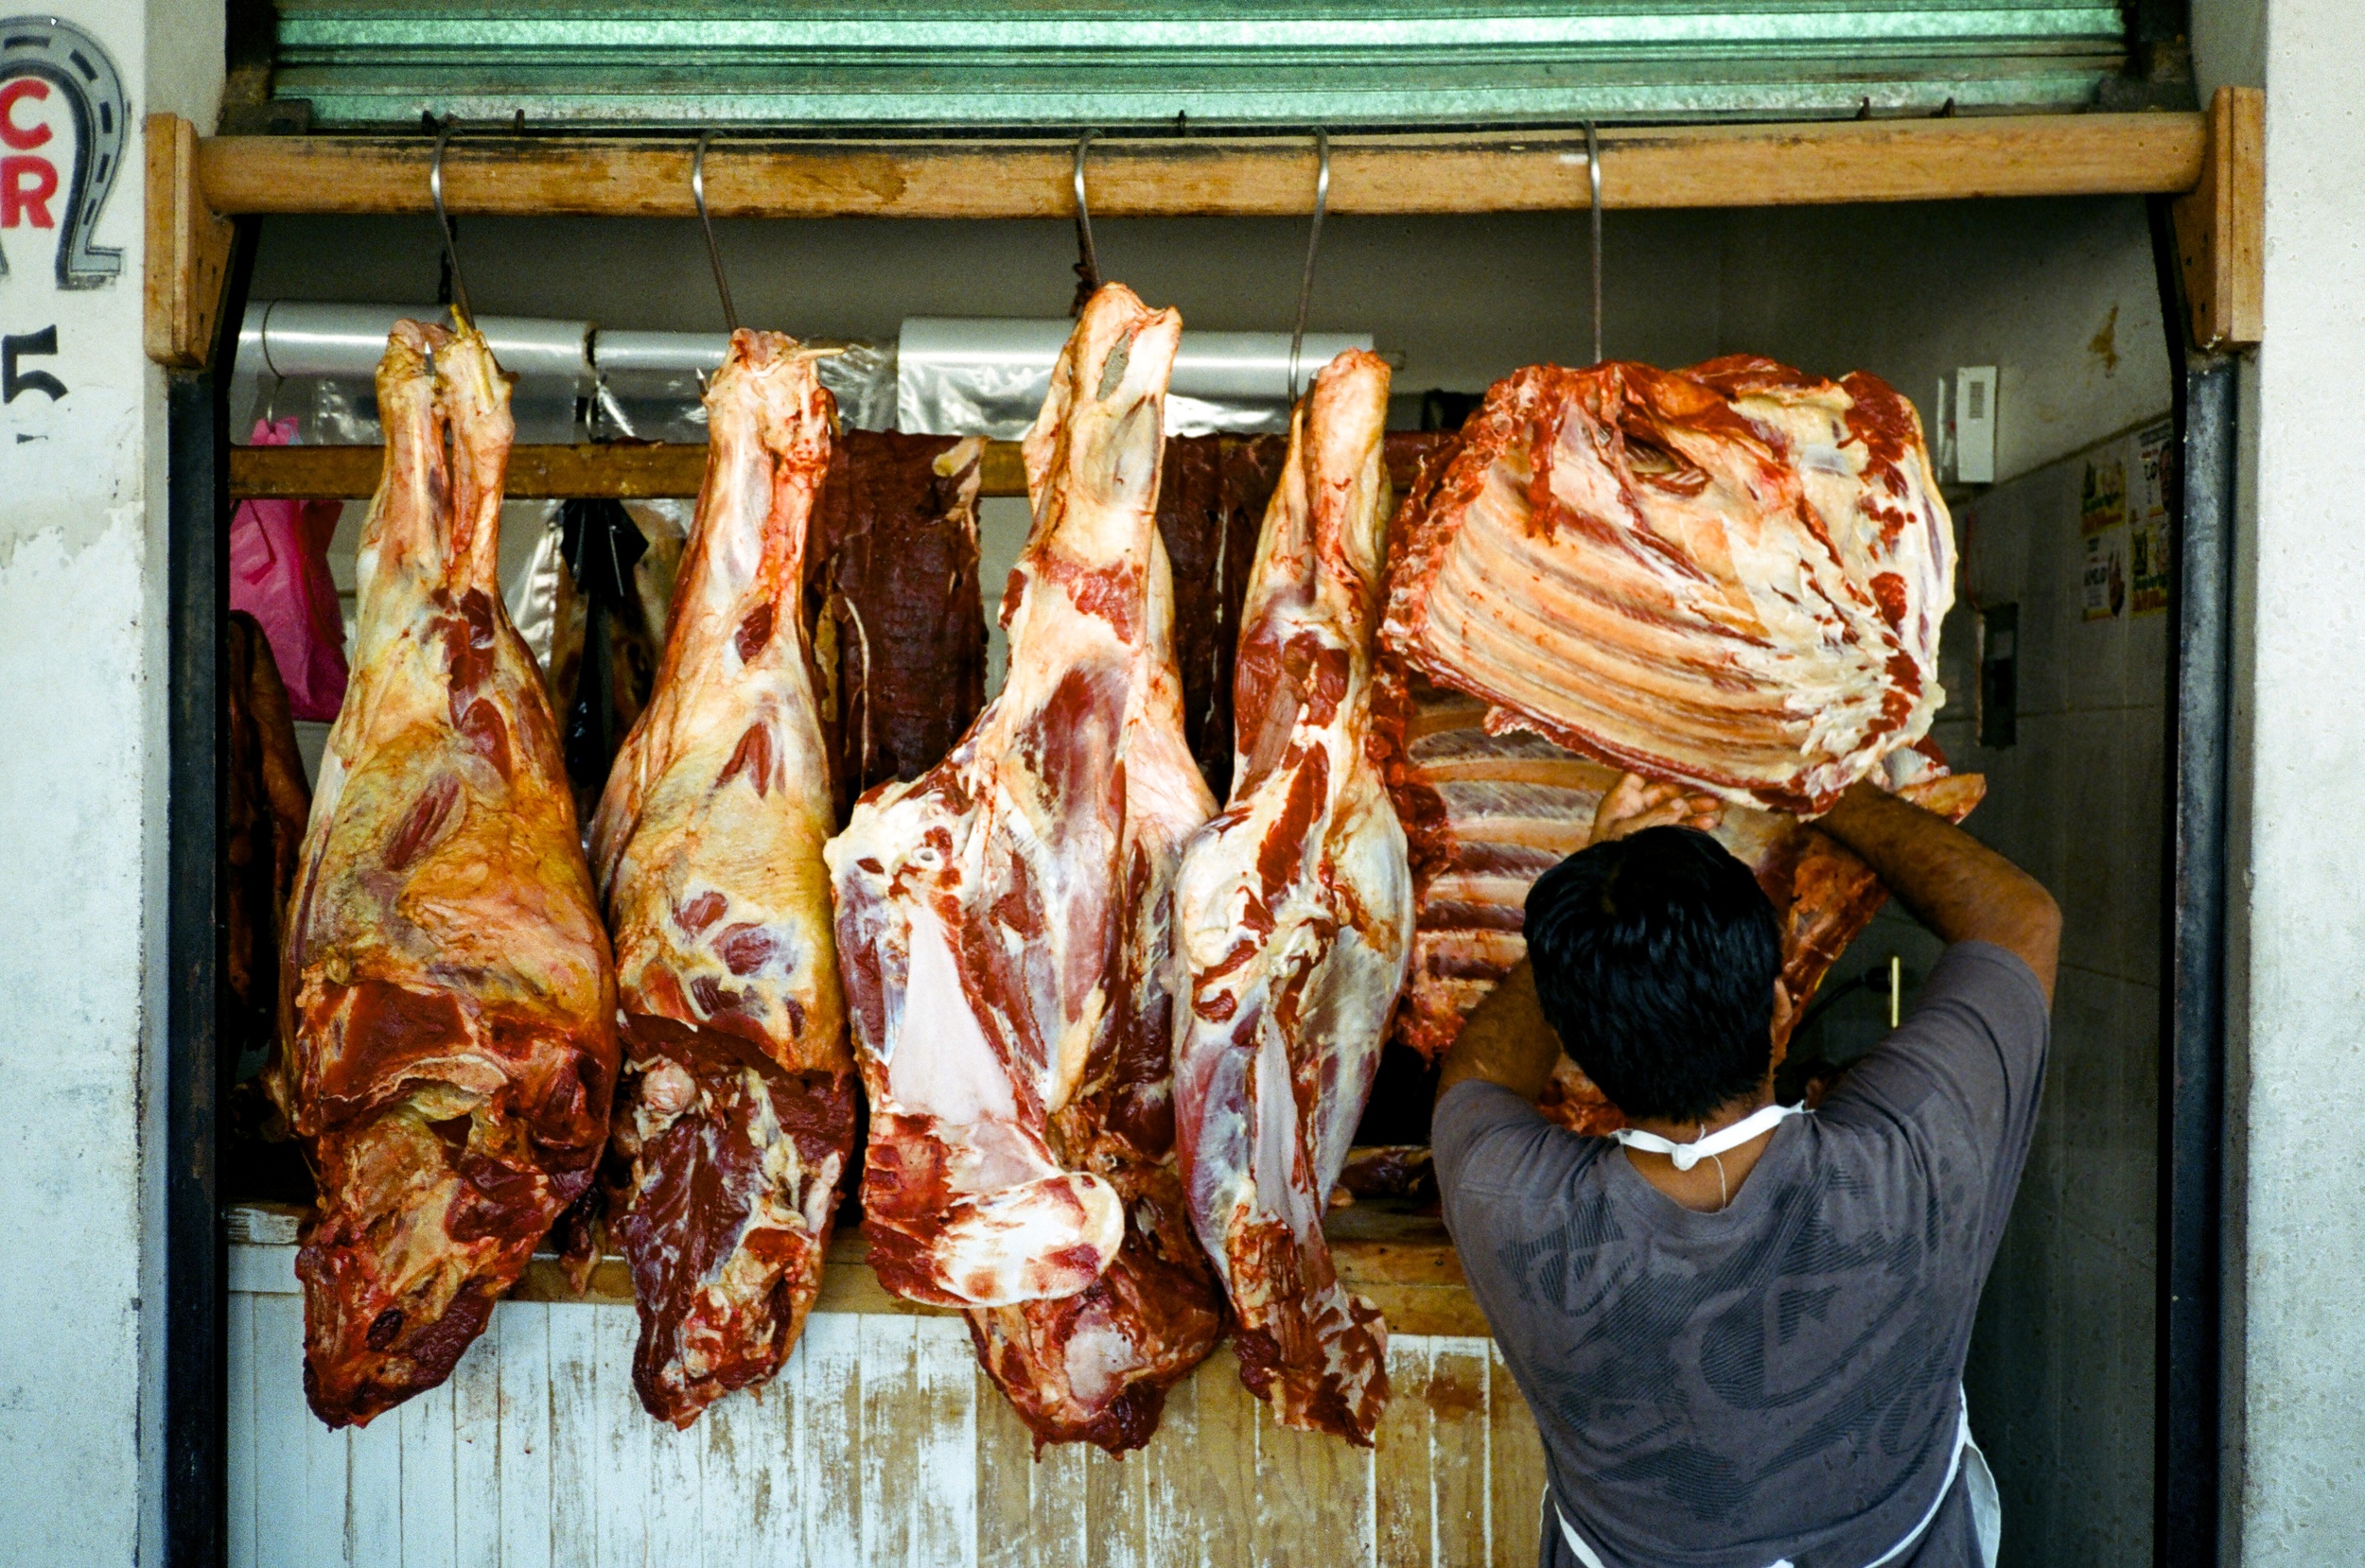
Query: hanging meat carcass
(448, 1004)
(903, 643)
(735, 1116)
(1294, 918)
(1730, 577)
(1489, 814)
(1003, 921)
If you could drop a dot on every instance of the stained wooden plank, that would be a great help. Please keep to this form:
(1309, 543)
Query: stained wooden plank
(1116, 1507)
(1008, 1535)
(188, 250)
(828, 1362)
(240, 1434)
(768, 1429)
(575, 1473)
(327, 1472)
(1458, 1400)
(944, 1527)
(476, 1476)
(1313, 1498)
(620, 1441)
(524, 1433)
(891, 1411)
(1211, 1468)
(1515, 1469)
(430, 1521)
(281, 1418)
(730, 1429)
(676, 1499)
(1404, 1523)
(374, 1492)
(1701, 165)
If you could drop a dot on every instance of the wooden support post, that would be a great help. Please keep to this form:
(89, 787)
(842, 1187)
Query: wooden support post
(2220, 226)
(188, 250)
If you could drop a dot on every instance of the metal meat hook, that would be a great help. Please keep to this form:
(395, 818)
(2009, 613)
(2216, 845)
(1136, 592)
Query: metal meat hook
(714, 254)
(1087, 260)
(1313, 248)
(460, 311)
(1593, 171)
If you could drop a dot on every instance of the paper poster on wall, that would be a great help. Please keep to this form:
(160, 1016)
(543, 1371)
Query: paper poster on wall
(2102, 522)
(2148, 528)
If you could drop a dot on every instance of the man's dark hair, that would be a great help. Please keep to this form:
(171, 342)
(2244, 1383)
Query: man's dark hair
(1656, 957)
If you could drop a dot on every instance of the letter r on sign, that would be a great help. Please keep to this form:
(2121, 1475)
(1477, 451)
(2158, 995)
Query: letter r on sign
(26, 183)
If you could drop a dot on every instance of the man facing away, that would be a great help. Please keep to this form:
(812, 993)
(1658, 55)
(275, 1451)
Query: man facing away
(1742, 1332)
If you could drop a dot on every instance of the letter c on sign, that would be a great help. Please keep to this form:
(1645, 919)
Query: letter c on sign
(22, 137)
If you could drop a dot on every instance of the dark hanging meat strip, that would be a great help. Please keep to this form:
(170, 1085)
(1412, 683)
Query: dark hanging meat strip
(902, 639)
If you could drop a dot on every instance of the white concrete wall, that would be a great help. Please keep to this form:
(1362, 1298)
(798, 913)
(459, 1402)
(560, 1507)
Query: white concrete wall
(83, 803)
(2298, 942)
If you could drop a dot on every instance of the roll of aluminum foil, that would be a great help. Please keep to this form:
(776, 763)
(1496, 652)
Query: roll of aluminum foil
(988, 377)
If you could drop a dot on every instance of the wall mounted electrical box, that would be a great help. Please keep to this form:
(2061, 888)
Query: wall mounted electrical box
(1975, 424)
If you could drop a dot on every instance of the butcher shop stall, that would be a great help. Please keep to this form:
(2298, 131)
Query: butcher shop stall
(875, 689)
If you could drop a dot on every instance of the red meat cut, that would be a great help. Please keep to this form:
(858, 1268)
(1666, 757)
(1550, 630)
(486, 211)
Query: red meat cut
(735, 1116)
(1003, 926)
(1293, 916)
(448, 1004)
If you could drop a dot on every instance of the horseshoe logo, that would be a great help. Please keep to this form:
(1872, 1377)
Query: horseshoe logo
(71, 63)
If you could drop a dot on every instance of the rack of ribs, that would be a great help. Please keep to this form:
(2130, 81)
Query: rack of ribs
(1730, 577)
(448, 1004)
(1293, 914)
(1489, 814)
(735, 1116)
(1004, 926)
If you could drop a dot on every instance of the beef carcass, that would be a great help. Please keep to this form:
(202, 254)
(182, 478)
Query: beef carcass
(1730, 577)
(447, 1001)
(901, 628)
(1293, 919)
(1489, 814)
(735, 1115)
(1004, 926)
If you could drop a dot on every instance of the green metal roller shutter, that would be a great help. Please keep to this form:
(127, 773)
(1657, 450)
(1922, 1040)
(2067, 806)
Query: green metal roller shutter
(968, 63)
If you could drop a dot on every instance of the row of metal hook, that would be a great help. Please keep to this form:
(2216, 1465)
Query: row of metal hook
(1088, 260)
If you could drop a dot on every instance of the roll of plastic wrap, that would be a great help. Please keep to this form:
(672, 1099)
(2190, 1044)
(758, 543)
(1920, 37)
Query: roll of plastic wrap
(293, 338)
(971, 377)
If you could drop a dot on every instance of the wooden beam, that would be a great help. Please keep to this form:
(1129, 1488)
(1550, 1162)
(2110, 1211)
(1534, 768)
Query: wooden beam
(1713, 165)
(188, 250)
(2220, 226)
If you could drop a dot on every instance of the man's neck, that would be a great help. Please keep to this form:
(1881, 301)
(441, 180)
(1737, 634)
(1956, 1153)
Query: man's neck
(1715, 1181)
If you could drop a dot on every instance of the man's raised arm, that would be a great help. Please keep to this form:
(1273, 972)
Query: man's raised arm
(1958, 887)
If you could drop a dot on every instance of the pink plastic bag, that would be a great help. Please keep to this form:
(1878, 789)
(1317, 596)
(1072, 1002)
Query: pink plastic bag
(279, 575)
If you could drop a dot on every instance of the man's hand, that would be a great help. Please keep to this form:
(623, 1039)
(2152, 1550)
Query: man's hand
(1636, 803)
(1958, 887)
(1506, 1040)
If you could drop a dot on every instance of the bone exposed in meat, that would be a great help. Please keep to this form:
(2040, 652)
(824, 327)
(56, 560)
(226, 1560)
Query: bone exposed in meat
(1004, 926)
(903, 644)
(736, 1112)
(1487, 814)
(1731, 576)
(448, 1005)
(1293, 914)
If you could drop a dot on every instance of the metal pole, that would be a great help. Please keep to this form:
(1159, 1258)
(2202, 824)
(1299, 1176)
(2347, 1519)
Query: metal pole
(714, 251)
(2187, 1424)
(196, 1074)
(1313, 249)
(1593, 174)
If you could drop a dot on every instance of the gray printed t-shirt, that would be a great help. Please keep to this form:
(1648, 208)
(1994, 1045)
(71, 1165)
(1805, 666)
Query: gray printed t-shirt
(1777, 1379)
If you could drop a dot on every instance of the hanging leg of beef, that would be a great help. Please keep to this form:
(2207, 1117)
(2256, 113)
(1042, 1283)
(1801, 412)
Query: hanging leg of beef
(1003, 924)
(448, 1005)
(1294, 915)
(736, 1114)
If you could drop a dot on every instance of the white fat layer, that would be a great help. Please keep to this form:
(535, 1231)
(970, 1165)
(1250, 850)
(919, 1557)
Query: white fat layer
(957, 1075)
(1098, 1357)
